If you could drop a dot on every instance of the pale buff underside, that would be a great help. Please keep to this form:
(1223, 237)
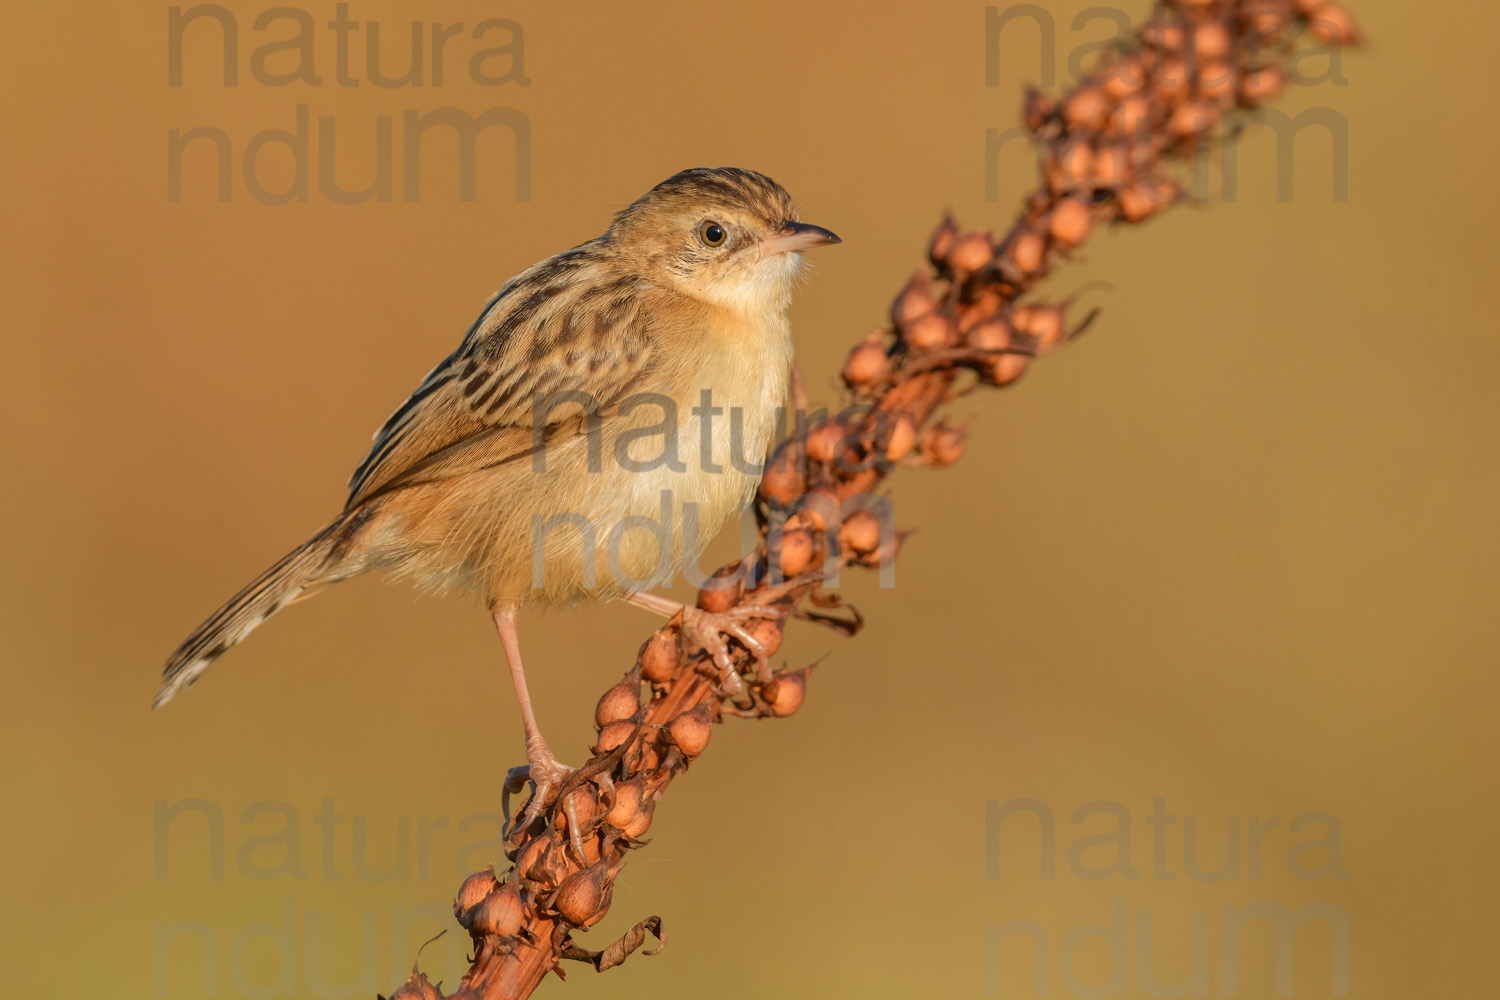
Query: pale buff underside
(480, 532)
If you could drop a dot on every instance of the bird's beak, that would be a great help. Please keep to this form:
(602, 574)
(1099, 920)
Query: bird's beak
(799, 236)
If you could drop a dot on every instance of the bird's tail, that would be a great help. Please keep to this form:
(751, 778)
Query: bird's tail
(292, 577)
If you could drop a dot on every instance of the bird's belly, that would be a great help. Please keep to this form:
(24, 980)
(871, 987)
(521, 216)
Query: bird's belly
(606, 515)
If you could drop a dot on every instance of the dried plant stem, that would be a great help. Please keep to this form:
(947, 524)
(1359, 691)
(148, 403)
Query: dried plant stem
(1107, 152)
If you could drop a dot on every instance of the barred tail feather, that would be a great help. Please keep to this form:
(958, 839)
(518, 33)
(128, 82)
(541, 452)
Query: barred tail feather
(273, 590)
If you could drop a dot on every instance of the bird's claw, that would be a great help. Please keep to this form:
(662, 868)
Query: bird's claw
(546, 774)
(708, 629)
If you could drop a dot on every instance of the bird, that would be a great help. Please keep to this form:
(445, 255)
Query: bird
(603, 417)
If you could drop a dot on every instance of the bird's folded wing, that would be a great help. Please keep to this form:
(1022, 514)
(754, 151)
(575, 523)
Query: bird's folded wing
(559, 340)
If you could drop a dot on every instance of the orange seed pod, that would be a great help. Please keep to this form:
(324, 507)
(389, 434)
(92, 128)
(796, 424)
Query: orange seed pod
(612, 735)
(825, 442)
(943, 238)
(722, 591)
(581, 895)
(913, 301)
(868, 363)
(860, 533)
(501, 913)
(943, 445)
(691, 730)
(658, 657)
(1069, 222)
(783, 480)
(929, 332)
(618, 703)
(971, 253)
(1087, 107)
(472, 893)
(903, 438)
(1027, 250)
(797, 552)
(784, 693)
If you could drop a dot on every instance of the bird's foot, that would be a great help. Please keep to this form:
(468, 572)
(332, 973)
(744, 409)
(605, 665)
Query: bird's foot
(708, 629)
(546, 774)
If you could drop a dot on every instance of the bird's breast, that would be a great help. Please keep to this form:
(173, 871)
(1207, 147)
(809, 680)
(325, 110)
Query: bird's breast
(726, 395)
(622, 510)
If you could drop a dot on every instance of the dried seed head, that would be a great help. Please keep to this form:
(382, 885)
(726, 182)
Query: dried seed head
(1044, 322)
(418, 987)
(767, 631)
(1027, 250)
(1259, 86)
(472, 893)
(690, 730)
(943, 238)
(868, 363)
(1131, 117)
(1268, 19)
(943, 445)
(860, 533)
(991, 335)
(612, 735)
(1162, 189)
(1004, 369)
(997, 369)
(1075, 163)
(783, 480)
(1134, 204)
(1193, 118)
(627, 803)
(1112, 165)
(784, 693)
(642, 821)
(1333, 25)
(971, 253)
(1163, 33)
(1069, 222)
(1087, 107)
(819, 509)
(797, 552)
(986, 305)
(1142, 157)
(501, 913)
(928, 333)
(618, 703)
(534, 862)
(1171, 78)
(913, 301)
(659, 657)
(1123, 75)
(1216, 80)
(825, 442)
(1036, 109)
(1211, 39)
(887, 552)
(722, 591)
(581, 896)
(903, 438)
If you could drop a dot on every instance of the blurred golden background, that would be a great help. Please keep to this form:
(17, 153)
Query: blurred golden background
(1234, 551)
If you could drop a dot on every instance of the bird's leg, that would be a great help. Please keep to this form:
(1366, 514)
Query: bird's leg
(544, 770)
(708, 629)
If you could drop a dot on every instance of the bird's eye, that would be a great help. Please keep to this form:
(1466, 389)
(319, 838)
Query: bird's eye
(712, 234)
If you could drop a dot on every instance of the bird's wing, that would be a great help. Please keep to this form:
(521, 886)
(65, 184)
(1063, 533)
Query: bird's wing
(570, 331)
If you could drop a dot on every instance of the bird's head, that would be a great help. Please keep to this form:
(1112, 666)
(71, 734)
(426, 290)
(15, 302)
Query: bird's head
(721, 234)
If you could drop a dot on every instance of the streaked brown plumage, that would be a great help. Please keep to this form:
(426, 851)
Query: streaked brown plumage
(498, 439)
